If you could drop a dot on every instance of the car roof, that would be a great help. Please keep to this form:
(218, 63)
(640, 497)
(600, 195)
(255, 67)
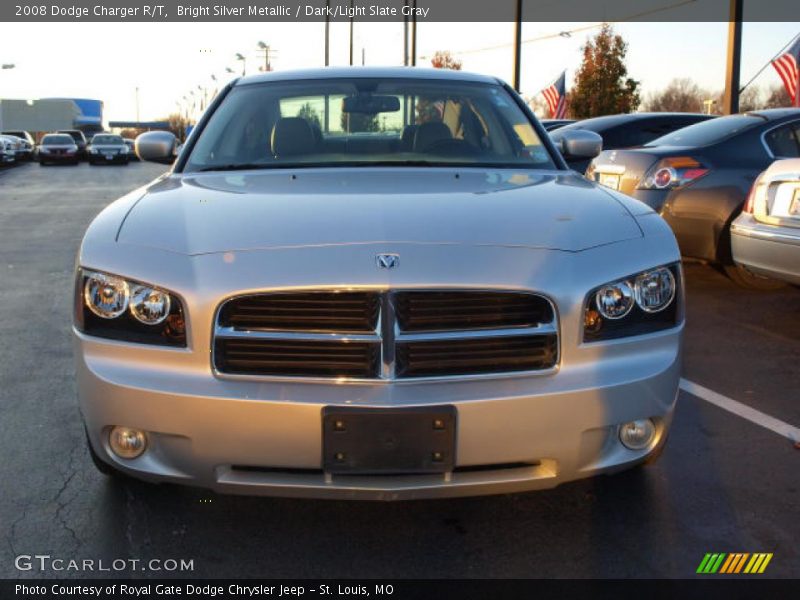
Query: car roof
(773, 114)
(367, 73)
(612, 120)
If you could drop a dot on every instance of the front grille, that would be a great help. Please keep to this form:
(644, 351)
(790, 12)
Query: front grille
(385, 335)
(443, 311)
(303, 311)
(485, 355)
(302, 358)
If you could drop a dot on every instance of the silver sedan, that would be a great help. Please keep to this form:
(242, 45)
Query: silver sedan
(375, 284)
(765, 238)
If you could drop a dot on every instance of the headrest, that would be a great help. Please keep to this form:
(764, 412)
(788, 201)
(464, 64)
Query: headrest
(292, 136)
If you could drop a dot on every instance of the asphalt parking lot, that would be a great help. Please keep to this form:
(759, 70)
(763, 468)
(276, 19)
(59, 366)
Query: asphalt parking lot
(723, 484)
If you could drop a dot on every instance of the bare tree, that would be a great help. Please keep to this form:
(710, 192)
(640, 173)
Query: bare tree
(681, 95)
(751, 99)
(778, 97)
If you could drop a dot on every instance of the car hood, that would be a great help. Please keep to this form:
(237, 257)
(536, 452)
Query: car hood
(218, 212)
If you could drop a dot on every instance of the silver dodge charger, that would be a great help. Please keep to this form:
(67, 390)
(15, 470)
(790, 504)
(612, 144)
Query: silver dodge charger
(375, 284)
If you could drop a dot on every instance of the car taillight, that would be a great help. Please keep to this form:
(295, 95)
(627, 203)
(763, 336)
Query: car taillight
(669, 173)
(749, 204)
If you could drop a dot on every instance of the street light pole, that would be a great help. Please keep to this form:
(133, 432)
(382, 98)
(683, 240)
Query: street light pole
(327, 33)
(405, 34)
(241, 57)
(414, 34)
(517, 45)
(351, 33)
(734, 58)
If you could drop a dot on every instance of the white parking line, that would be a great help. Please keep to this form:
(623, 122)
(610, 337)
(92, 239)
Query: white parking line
(742, 410)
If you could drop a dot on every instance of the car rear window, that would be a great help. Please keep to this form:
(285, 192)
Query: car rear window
(57, 139)
(107, 139)
(708, 132)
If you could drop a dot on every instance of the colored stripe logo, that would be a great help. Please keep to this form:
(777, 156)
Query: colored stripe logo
(734, 563)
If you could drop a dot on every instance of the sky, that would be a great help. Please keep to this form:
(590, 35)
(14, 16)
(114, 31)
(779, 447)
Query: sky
(109, 61)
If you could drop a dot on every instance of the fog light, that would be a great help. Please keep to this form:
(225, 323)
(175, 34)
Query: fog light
(127, 442)
(637, 435)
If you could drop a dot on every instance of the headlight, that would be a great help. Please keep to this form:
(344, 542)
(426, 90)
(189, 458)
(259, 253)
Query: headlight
(92, 151)
(615, 300)
(105, 295)
(114, 307)
(149, 305)
(643, 303)
(654, 290)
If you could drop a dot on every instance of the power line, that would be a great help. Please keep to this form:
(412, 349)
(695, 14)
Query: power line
(568, 33)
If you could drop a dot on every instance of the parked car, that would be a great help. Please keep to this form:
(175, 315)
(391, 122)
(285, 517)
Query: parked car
(107, 148)
(698, 178)
(8, 150)
(765, 238)
(57, 148)
(629, 130)
(310, 307)
(25, 150)
(551, 124)
(131, 148)
(80, 140)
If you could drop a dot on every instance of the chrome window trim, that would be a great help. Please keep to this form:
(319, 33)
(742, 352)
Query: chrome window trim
(764, 133)
(388, 327)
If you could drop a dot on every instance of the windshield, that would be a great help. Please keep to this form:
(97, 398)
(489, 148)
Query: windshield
(341, 122)
(57, 140)
(107, 139)
(707, 132)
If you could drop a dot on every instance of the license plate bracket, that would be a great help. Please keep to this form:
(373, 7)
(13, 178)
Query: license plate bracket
(375, 441)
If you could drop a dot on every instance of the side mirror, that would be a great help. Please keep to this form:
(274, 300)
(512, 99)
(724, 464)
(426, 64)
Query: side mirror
(577, 143)
(156, 146)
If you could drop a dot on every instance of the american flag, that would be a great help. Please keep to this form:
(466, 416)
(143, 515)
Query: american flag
(556, 96)
(787, 67)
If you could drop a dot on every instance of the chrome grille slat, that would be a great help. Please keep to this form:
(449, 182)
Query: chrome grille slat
(390, 335)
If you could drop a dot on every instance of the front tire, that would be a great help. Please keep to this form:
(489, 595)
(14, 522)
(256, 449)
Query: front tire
(745, 278)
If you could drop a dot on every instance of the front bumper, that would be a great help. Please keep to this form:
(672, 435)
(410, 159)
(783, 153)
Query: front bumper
(514, 434)
(767, 250)
(59, 158)
(108, 158)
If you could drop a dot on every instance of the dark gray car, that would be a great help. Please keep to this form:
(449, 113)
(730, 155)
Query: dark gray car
(698, 178)
(628, 131)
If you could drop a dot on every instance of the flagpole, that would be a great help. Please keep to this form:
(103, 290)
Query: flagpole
(769, 62)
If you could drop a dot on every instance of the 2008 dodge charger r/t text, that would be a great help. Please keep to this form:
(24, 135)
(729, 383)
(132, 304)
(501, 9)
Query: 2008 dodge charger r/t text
(375, 284)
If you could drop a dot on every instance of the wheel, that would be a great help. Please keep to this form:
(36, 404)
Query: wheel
(744, 277)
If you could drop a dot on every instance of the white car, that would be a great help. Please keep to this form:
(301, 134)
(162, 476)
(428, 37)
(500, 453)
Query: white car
(379, 284)
(765, 238)
(9, 147)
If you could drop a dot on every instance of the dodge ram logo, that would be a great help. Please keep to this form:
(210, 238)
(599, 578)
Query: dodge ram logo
(387, 261)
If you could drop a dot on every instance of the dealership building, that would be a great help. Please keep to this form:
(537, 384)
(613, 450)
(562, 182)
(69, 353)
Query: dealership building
(50, 114)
